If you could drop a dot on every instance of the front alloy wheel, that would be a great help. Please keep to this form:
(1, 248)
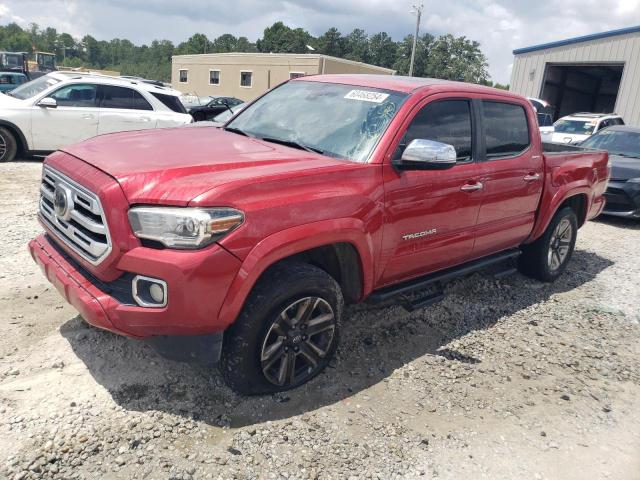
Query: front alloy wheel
(297, 341)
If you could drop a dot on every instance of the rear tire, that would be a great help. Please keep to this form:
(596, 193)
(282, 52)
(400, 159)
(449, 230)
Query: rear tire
(8, 145)
(286, 333)
(547, 258)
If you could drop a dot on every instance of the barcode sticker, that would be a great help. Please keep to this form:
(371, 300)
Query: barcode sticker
(367, 96)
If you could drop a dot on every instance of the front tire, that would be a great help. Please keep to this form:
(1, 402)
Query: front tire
(286, 333)
(8, 145)
(547, 258)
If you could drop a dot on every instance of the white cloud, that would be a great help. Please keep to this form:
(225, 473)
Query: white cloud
(499, 25)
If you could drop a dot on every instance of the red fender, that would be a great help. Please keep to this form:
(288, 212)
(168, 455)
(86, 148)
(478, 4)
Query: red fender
(289, 242)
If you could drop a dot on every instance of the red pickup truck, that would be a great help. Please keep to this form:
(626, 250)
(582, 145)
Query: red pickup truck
(240, 245)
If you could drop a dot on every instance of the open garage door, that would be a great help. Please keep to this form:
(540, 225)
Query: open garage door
(581, 88)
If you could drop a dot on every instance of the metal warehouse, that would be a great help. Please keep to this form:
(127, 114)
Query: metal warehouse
(247, 75)
(597, 73)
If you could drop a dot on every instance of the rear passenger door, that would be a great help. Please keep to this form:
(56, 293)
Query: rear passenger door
(511, 170)
(123, 109)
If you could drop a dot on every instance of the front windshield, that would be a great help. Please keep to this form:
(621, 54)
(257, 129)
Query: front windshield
(339, 120)
(576, 127)
(34, 87)
(615, 142)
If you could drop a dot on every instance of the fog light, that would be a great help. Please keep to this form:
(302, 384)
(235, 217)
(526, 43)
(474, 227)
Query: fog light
(149, 292)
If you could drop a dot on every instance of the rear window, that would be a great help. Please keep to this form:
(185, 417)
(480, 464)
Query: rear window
(506, 129)
(172, 102)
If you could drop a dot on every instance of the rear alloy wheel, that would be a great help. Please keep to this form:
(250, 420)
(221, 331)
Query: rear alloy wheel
(547, 257)
(560, 243)
(297, 341)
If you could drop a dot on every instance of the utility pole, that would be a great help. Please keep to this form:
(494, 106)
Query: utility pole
(417, 10)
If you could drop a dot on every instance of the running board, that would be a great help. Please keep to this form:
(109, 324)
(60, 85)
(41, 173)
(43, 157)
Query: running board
(438, 278)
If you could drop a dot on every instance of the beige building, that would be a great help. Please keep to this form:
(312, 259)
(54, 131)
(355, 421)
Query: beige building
(248, 75)
(597, 73)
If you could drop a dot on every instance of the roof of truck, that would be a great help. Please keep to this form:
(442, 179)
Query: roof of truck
(400, 84)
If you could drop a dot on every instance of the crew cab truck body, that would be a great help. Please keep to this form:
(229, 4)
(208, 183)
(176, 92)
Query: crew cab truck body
(244, 243)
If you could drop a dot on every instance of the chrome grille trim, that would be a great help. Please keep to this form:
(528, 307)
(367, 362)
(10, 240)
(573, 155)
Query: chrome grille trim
(85, 230)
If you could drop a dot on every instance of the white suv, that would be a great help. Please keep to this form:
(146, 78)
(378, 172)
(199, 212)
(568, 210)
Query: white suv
(580, 126)
(62, 108)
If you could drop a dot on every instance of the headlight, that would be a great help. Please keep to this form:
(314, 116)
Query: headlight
(183, 228)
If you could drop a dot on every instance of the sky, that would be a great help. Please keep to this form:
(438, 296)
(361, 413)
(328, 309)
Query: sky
(499, 25)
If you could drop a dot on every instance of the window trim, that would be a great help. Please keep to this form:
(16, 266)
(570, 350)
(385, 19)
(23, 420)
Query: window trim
(476, 137)
(483, 137)
(219, 77)
(246, 71)
(180, 70)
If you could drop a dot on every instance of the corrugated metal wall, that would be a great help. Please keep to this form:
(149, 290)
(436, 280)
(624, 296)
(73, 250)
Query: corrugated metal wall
(528, 68)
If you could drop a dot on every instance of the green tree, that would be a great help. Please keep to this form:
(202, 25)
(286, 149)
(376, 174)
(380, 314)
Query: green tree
(356, 46)
(457, 58)
(279, 38)
(331, 43)
(382, 50)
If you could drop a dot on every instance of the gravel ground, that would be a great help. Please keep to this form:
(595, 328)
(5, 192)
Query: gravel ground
(505, 379)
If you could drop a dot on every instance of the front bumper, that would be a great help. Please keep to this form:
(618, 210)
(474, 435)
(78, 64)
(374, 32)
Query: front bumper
(197, 286)
(623, 199)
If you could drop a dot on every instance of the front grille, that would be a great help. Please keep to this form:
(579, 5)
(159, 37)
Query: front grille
(74, 215)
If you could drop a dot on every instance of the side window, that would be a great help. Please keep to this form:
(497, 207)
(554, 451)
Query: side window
(214, 77)
(184, 76)
(506, 129)
(604, 124)
(446, 121)
(76, 95)
(246, 79)
(123, 98)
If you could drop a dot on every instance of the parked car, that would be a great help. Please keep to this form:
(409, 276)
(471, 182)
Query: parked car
(243, 244)
(11, 80)
(623, 192)
(544, 113)
(225, 116)
(213, 108)
(61, 108)
(575, 128)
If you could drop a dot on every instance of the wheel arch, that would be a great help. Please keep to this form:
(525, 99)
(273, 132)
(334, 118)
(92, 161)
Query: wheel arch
(23, 145)
(339, 247)
(577, 200)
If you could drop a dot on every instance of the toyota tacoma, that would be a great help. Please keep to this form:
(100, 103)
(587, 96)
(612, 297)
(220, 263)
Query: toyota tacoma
(241, 245)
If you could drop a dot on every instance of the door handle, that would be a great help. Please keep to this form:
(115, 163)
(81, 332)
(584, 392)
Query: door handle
(472, 187)
(532, 177)
(145, 119)
(88, 116)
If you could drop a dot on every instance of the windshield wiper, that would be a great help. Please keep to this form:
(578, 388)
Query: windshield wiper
(293, 143)
(626, 155)
(236, 130)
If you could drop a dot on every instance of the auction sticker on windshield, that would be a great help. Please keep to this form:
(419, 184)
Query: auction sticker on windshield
(367, 96)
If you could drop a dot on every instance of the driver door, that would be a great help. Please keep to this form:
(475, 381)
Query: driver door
(75, 117)
(431, 215)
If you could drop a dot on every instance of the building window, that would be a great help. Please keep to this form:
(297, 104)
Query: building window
(214, 77)
(296, 74)
(184, 76)
(246, 79)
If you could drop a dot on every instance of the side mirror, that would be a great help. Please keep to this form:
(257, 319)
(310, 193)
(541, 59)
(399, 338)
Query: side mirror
(427, 155)
(48, 102)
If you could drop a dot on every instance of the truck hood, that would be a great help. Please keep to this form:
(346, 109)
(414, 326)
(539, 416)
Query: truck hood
(174, 166)
(624, 168)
